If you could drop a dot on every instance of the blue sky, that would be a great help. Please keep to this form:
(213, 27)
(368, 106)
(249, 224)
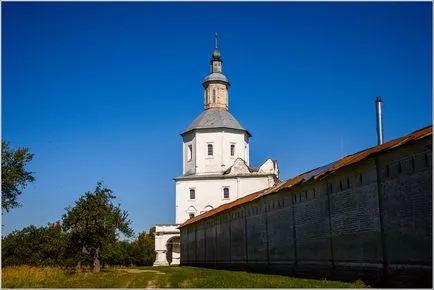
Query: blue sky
(101, 91)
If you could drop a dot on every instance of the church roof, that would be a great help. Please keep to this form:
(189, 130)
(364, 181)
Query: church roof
(215, 76)
(215, 118)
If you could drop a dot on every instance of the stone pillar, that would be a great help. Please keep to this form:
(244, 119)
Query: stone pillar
(160, 249)
(160, 259)
(164, 253)
(176, 255)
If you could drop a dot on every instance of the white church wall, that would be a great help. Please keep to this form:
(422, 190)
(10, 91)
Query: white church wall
(189, 156)
(209, 193)
(247, 149)
(233, 137)
(221, 142)
(251, 185)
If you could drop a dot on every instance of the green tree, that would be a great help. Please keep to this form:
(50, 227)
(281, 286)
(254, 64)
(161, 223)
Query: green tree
(44, 246)
(118, 253)
(143, 248)
(139, 252)
(94, 222)
(14, 175)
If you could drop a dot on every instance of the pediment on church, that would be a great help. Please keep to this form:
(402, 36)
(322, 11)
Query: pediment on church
(269, 166)
(239, 167)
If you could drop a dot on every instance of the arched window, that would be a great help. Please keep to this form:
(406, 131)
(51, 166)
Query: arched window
(189, 152)
(191, 211)
(213, 95)
(207, 208)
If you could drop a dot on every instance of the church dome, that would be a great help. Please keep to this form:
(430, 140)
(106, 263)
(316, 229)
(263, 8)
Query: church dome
(216, 77)
(215, 118)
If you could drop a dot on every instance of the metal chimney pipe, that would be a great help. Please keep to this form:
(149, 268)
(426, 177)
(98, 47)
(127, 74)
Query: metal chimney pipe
(380, 133)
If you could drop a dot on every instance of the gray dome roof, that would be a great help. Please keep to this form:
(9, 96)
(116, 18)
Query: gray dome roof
(215, 118)
(216, 77)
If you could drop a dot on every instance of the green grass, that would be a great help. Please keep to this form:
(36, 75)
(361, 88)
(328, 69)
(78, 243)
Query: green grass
(159, 277)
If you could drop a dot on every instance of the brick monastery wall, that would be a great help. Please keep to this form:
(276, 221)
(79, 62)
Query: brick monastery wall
(371, 220)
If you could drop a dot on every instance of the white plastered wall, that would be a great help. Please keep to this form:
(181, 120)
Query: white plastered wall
(221, 142)
(209, 192)
(189, 162)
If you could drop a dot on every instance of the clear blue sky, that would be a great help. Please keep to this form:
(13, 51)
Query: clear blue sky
(101, 91)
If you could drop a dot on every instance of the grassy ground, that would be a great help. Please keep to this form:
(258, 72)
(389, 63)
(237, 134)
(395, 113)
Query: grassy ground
(155, 277)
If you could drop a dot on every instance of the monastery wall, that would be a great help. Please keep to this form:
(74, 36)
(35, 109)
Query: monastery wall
(371, 220)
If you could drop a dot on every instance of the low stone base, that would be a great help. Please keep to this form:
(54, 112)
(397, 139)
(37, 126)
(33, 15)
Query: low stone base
(158, 264)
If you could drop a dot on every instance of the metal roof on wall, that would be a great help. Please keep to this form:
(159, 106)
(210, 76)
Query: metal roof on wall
(315, 174)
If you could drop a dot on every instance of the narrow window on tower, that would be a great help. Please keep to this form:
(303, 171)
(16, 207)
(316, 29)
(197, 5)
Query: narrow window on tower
(232, 149)
(210, 150)
(213, 95)
(192, 194)
(225, 192)
(189, 152)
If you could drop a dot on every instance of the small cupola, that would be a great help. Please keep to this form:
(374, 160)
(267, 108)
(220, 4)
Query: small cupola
(216, 59)
(216, 84)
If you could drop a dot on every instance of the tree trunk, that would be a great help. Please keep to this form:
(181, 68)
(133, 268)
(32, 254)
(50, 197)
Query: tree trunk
(97, 261)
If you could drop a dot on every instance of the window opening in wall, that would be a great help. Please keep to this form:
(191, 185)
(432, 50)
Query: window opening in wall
(232, 149)
(190, 152)
(399, 167)
(360, 178)
(348, 182)
(192, 193)
(340, 184)
(226, 192)
(305, 194)
(191, 215)
(387, 171)
(213, 95)
(331, 188)
(426, 160)
(413, 164)
(314, 192)
(210, 150)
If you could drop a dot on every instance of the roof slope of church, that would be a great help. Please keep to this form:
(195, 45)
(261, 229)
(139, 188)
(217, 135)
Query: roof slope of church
(216, 77)
(317, 173)
(215, 118)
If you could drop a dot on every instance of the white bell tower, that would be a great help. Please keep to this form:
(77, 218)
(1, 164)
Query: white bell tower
(215, 167)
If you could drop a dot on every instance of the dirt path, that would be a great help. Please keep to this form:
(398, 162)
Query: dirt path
(151, 283)
(135, 271)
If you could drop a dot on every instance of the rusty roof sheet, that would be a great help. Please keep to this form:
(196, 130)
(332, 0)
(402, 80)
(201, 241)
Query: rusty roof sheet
(315, 174)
